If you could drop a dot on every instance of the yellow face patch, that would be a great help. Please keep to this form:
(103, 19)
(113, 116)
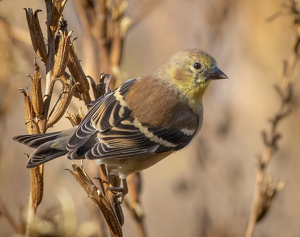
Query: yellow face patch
(189, 71)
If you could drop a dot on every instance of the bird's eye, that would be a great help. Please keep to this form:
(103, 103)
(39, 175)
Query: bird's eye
(197, 65)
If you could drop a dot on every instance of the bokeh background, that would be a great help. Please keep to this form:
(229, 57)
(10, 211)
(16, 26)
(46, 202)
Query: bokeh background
(207, 188)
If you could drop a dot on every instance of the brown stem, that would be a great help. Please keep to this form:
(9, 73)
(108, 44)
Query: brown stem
(261, 202)
(134, 203)
(99, 199)
(37, 173)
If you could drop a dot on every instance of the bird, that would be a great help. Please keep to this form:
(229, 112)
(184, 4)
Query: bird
(139, 123)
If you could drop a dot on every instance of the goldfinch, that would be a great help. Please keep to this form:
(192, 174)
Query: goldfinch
(138, 124)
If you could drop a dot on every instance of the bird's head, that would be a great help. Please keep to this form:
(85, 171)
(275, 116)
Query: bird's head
(191, 71)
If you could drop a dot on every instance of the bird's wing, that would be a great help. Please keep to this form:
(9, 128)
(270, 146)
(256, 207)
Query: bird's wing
(110, 131)
(105, 113)
(130, 138)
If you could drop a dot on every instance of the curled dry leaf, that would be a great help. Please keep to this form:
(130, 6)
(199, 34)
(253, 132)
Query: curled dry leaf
(78, 74)
(57, 9)
(31, 125)
(98, 90)
(268, 191)
(36, 185)
(62, 56)
(102, 88)
(74, 118)
(36, 34)
(63, 101)
(37, 96)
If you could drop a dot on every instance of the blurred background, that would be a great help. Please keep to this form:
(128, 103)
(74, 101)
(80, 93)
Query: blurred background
(207, 188)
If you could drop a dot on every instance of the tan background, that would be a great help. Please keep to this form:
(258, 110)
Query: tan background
(205, 189)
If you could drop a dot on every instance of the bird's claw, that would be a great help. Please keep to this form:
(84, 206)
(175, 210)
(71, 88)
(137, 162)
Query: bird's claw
(120, 192)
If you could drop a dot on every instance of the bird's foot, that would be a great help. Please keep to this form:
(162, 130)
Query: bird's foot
(121, 191)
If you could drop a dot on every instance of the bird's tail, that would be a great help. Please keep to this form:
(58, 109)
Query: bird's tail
(48, 146)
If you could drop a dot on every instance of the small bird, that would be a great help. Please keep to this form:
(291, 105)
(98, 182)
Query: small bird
(139, 123)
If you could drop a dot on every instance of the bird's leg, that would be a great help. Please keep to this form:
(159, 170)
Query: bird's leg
(125, 187)
(122, 191)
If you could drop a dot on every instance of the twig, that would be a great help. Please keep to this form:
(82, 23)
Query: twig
(36, 113)
(98, 198)
(106, 26)
(134, 203)
(265, 191)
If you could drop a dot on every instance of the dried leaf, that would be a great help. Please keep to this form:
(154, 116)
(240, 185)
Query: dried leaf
(62, 103)
(268, 192)
(62, 57)
(57, 9)
(99, 89)
(74, 118)
(37, 96)
(31, 125)
(78, 74)
(36, 34)
(36, 185)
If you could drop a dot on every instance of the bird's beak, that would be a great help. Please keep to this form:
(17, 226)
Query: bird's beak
(216, 74)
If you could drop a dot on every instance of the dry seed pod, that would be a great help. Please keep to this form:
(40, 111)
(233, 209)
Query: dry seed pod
(57, 9)
(74, 118)
(77, 94)
(78, 74)
(37, 184)
(62, 102)
(37, 96)
(36, 34)
(62, 56)
(32, 127)
(267, 194)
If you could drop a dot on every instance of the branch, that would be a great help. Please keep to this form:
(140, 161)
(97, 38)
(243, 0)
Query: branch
(265, 190)
(98, 198)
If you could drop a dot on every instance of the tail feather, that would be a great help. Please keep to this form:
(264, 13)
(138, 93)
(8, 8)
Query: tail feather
(44, 154)
(35, 140)
(48, 146)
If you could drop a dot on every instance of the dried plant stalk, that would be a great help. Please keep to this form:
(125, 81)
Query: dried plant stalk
(98, 198)
(265, 190)
(104, 22)
(107, 24)
(36, 174)
(134, 203)
(35, 195)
